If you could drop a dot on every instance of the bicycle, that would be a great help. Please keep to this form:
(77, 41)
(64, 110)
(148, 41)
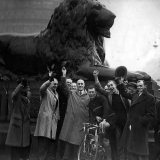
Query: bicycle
(91, 148)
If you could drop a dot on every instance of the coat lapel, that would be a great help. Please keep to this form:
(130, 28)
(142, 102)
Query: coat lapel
(138, 99)
(122, 99)
(110, 98)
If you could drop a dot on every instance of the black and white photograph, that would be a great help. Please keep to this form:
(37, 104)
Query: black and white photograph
(79, 80)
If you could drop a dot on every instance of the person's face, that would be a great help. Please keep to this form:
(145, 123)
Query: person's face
(92, 93)
(80, 85)
(106, 88)
(73, 86)
(54, 85)
(112, 86)
(131, 89)
(140, 86)
(68, 82)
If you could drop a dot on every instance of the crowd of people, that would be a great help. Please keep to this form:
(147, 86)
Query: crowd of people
(123, 109)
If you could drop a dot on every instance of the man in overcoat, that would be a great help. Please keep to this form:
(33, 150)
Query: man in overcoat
(119, 106)
(47, 120)
(62, 111)
(18, 136)
(76, 115)
(141, 113)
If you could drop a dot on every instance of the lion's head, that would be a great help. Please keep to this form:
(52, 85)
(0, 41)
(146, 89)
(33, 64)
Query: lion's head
(99, 19)
(75, 32)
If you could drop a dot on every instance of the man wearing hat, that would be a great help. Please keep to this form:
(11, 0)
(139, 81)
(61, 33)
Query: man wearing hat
(131, 87)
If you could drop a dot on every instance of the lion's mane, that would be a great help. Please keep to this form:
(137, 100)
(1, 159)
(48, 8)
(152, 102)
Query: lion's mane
(67, 36)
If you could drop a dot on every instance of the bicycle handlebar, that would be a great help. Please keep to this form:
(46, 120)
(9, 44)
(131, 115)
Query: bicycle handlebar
(89, 126)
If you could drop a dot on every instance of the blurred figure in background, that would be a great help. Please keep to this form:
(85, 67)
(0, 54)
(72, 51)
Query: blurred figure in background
(68, 82)
(73, 86)
(131, 87)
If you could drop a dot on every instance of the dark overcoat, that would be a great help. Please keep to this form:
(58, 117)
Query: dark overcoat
(19, 127)
(76, 114)
(156, 125)
(141, 113)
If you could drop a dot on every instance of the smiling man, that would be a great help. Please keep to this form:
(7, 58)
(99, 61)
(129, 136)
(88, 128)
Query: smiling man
(76, 115)
(141, 113)
(99, 108)
(120, 106)
(99, 111)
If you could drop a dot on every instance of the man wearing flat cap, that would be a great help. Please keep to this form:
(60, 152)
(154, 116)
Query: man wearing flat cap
(131, 87)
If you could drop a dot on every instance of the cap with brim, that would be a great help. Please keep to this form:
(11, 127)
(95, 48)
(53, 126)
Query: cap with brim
(132, 84)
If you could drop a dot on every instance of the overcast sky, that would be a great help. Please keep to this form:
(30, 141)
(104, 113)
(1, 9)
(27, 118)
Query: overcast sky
(135, 31)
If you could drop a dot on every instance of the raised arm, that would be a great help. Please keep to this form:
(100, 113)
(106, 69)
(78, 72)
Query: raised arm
(44, 87)
(121, 88)
(98, 86)
(46, 84)
(16, 92)
(65, 88)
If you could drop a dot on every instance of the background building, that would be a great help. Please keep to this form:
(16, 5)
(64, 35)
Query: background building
(25, 16)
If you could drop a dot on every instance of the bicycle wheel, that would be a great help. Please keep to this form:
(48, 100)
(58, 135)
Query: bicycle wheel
(88, 149)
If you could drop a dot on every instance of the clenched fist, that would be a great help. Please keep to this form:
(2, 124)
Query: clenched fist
(95, 73)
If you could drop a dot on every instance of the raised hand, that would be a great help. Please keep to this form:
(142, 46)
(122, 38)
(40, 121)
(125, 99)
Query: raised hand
(95, 73)
(121, 80)
(98, 118)
(64, 71)
(51, 76)
(104, 124)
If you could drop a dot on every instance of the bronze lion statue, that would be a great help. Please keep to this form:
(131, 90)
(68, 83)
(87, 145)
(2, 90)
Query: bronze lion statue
(75, 32)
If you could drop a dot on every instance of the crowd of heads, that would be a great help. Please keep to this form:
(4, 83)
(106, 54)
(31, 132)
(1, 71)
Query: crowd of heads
(111, 86)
